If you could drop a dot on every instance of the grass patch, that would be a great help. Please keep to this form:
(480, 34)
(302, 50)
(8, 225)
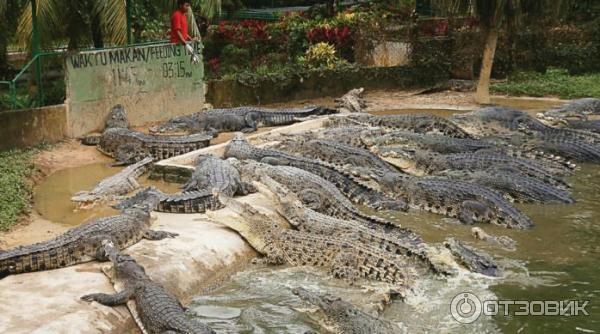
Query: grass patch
(15, 192)
(555, 82)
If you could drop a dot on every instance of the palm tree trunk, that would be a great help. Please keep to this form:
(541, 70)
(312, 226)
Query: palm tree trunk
(97, 35)
(3, 48)
(483, 87)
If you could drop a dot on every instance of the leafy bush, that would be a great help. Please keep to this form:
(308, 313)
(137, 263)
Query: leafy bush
(15, 193)
(321, 55)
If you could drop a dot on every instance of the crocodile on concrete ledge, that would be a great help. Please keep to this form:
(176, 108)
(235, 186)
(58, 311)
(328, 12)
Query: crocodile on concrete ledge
(245, 119)
(83, 243)
(354, 160)
(212, 176)
(156, 310)
(345, 257)
(110, 188)
(128, 146)
(186, 202)
(347, 318)
(468, 202)
(314, 192)
(356, 191)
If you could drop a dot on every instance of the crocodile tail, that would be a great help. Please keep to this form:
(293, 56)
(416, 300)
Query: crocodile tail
(40, 256)
(189, 202)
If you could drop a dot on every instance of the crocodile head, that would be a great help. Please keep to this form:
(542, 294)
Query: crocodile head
(117, 118)
(288, 204)
(475, 260)
(255, 227)
(577, 109)
(334, 307)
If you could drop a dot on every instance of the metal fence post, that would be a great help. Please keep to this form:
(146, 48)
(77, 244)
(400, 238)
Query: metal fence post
(12, 88)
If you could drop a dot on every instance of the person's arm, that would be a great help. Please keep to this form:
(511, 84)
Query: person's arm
(180, 35)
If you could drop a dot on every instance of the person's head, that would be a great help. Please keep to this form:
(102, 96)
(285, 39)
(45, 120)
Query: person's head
(183, 5)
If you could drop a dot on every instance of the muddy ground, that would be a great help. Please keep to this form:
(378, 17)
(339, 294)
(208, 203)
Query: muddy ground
(71, 154)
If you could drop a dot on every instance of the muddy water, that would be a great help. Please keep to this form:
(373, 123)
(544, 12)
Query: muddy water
(52, 198)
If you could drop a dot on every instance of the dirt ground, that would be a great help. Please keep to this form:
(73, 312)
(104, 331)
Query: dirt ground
(68, 154)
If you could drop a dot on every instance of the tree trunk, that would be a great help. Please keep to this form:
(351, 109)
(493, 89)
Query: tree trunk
(3, 48)
(483, 86)
(97, 37)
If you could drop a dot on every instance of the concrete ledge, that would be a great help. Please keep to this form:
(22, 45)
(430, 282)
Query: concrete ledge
(28, 127)
(201, 256)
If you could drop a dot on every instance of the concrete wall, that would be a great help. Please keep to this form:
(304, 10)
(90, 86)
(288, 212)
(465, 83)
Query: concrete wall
(20, 128)
(154, 83)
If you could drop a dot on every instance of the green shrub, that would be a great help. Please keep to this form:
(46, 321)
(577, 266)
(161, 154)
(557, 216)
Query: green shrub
(15, 167)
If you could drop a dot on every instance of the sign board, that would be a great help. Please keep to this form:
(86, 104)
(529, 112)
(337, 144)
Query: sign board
(153, 83)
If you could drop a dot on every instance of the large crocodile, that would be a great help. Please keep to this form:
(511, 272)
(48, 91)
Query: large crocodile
(156, 310)
(211, 177)
(351, 159)
(216, 175)
(117, 185)
(347, 318)
(421, 123)
(245, 119)
(353, 189)
(389, 238)
(314, 191)
(516, 126)
(434, 162)
(186, 202)
(519, 188)
(468, 202)
(344, 256)
(576, 114)
(128, 146)
(83, 243)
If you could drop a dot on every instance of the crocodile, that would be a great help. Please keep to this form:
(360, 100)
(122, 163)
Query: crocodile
(351, 159)
(186, 202)
(344, 256)
(351, 102)
(214, 174)
(356, 191)
(84, 242)
(156, 311)
(420, 123)
(516, 126)
(433, 162)
(347, 318)
(518, 188)
(390, 238)
(128, 146)
(211, 177)
(245, 119)
(477, 261)
(468, 202)
(314, 192)
(577, 109)
(117, 185)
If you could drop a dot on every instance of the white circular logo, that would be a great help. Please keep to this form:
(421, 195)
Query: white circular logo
(465, 308)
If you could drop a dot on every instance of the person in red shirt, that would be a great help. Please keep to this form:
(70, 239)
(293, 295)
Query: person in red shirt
(179, 25)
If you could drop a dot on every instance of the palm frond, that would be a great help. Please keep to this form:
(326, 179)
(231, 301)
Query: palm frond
(49, 22)
(114, 19)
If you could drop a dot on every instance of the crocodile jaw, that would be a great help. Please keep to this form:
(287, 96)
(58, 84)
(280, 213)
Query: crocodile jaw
(246, 231)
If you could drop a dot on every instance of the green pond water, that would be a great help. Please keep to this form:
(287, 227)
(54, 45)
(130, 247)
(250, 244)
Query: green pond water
(559, 259)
